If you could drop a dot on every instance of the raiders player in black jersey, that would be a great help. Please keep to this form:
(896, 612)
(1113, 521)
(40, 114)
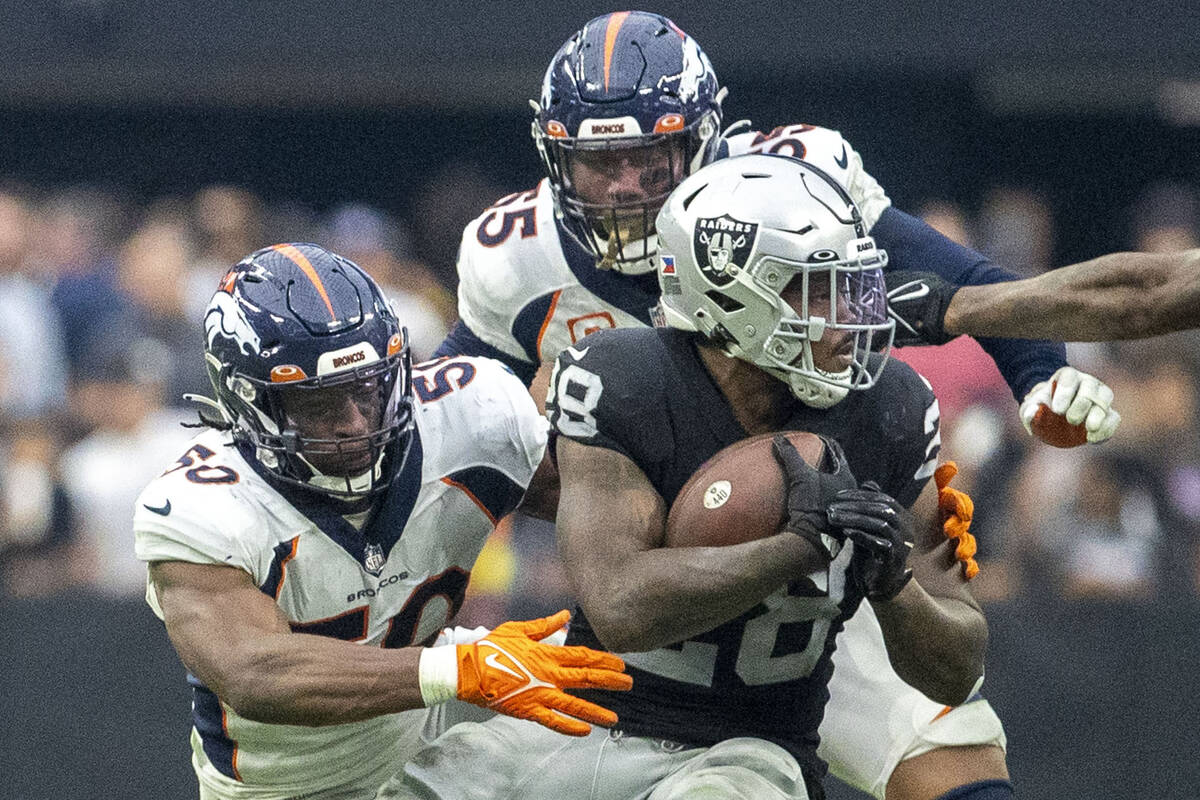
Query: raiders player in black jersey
(774, 293)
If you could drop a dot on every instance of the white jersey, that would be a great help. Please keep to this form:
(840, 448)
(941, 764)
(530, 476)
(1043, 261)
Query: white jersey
(477, 442)
(530, 291)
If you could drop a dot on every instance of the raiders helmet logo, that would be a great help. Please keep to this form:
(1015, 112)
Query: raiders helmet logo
(722, 245)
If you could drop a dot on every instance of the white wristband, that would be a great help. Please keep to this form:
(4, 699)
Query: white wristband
(461, 635)
(437, 671)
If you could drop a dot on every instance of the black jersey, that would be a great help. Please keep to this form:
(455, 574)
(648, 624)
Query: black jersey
(646, 394)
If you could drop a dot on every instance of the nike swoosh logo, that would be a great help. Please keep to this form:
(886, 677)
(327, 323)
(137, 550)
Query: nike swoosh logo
(164, 509)
(844, 160)
(492, 660)
(908, 291)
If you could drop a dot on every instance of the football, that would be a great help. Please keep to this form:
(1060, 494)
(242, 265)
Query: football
(1053, 429)
(737, 495)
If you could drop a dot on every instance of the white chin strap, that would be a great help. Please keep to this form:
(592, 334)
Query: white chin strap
(639, 266)
(356, 484)
(811, 391)
(807, 388)
(818, 394)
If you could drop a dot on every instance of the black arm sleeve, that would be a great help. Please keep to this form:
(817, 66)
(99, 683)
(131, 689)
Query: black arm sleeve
(913, 245)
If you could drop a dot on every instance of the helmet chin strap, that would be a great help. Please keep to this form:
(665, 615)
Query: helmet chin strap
(810, 389)
(355, 484)
(818, 394)
(609, 261)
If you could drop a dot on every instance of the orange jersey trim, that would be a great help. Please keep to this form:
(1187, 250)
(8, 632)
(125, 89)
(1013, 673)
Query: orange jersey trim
(546, 321)
(283, 566)
(474, 499)
(237, 775)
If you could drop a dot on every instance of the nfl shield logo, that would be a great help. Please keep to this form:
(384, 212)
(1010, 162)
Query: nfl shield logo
(722, 246)
(373, 559)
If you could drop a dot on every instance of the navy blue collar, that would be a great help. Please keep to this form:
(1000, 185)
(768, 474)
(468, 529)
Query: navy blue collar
(633, 294)
(386, 519)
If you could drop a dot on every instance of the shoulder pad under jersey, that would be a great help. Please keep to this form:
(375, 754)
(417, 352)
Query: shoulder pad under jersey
(509, 257)
(826, 149)
(606, 390)
(208, 507)
(474, 411)
(910, 424)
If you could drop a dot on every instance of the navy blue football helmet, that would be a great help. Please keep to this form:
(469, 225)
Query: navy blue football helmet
(311, 370)
(630, 106)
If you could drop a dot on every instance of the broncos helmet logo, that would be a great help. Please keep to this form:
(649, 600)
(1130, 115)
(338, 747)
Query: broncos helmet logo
(224, 317)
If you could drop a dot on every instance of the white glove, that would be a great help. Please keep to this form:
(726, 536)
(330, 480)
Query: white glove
(461, 635)
(1079, 398)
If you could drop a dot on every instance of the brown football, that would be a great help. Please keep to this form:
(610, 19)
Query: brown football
(737, 495)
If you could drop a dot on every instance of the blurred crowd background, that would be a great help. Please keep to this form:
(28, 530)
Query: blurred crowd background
(101, 341)
(134, 172)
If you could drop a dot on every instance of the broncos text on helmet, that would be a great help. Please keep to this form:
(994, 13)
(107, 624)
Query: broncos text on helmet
(311, 370)
(629, 107)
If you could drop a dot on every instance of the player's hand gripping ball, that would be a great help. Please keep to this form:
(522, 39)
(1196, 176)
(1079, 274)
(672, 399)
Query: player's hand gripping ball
(882, 532)
(1070, 409)
(757, 487)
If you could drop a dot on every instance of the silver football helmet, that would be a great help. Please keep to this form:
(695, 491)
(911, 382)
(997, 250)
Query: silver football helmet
(768, 257)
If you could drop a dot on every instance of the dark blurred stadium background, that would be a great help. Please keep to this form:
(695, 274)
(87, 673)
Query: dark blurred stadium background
(145, 146)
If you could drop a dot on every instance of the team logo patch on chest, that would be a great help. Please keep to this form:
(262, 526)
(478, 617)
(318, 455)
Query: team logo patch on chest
(374, 559)
(722, 246)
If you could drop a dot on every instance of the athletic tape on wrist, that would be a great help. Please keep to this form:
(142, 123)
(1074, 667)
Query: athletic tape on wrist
(437, 672)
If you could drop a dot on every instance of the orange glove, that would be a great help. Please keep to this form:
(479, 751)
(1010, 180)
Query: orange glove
(513, 672)
(957, 509)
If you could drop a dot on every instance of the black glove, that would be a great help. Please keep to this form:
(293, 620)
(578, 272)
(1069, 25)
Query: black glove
(918, 302)
(810, 490)
(881, 530)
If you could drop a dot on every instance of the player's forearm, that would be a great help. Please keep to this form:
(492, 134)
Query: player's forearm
(1117, 296)
(936, 645)
(662, 596)
(300, 679)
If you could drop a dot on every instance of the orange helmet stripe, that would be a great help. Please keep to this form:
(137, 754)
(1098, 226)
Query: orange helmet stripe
(307, 268)
(615, 22)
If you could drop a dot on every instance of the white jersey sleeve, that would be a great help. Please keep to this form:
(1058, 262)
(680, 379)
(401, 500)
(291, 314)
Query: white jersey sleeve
(193, 512)
(197, 511)
(510, 269)
(484, 419)
(827, 150)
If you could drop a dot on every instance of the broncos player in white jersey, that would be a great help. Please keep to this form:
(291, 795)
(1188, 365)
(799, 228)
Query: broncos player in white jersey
(630, 106)
(305, 550)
